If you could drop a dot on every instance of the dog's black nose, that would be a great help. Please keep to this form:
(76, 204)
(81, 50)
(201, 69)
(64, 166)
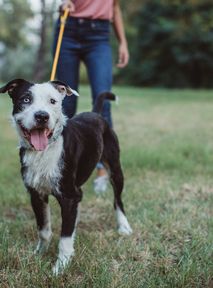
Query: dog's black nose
(41, 117)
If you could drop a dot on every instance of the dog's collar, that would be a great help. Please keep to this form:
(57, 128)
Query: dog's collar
(57, 133)
(55, 137)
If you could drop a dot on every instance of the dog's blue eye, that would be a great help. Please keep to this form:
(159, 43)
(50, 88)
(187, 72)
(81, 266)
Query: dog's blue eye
(52, 101)
(26, 100)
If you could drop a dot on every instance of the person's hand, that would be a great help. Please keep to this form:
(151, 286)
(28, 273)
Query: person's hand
(67, 4)
(123, 55)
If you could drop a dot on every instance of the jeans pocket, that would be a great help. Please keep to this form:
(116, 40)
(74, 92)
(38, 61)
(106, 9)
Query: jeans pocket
(101, 27)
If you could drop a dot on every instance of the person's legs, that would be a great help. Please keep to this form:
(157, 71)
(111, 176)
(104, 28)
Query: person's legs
(68, 72)
(68, 67)
(98, 61)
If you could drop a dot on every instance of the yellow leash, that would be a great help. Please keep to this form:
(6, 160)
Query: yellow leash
(58, 47)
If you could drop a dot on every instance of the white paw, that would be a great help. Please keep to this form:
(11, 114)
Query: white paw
(66, 251)
(60, 265)
(123, 224)
(42, 246)
(125, 229)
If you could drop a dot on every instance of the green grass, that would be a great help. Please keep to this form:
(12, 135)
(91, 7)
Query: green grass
(166, 142)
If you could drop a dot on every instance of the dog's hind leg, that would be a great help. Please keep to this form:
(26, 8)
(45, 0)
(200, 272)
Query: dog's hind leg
(42, 212)
(116, 178)
(111, 158)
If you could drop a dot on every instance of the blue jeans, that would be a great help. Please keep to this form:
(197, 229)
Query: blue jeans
(88, 41)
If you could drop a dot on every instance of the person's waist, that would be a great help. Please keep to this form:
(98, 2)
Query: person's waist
(78, 21)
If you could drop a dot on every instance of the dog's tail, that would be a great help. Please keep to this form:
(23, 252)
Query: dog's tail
(97, 108)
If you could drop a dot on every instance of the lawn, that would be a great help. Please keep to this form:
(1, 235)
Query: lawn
(166, 139)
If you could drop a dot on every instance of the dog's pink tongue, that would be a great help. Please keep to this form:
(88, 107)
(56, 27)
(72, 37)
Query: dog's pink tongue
(39, 139)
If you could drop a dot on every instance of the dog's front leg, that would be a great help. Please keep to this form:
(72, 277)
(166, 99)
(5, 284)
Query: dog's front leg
(42, 212)
(69, 213)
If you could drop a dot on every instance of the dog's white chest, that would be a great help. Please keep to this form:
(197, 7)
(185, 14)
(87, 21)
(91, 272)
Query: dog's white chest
(43, 168)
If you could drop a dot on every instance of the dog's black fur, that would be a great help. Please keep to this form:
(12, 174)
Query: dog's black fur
(87, 139)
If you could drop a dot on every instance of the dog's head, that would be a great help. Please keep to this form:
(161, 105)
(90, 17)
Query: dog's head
(37, 110)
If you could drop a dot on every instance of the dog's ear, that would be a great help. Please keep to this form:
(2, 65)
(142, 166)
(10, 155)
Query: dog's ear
(63, 88)
(11, 86)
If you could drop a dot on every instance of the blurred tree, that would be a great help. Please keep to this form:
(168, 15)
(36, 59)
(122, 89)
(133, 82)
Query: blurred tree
(174, 44)
(15, 48)
(171, 42)
(13, 17)
(43, 61)
(39, 68)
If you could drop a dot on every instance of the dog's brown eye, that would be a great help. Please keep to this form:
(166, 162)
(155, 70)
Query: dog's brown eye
(52, 101)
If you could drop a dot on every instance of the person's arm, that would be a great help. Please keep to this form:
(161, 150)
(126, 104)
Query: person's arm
(67, 4)
(123, 52)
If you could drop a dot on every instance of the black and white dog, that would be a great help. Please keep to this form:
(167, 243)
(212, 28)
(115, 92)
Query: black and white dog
(58, 156)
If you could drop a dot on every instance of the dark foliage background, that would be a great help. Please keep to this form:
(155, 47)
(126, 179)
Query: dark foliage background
(173, 45)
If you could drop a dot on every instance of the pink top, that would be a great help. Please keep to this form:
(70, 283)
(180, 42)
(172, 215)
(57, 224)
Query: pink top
(93, 9)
